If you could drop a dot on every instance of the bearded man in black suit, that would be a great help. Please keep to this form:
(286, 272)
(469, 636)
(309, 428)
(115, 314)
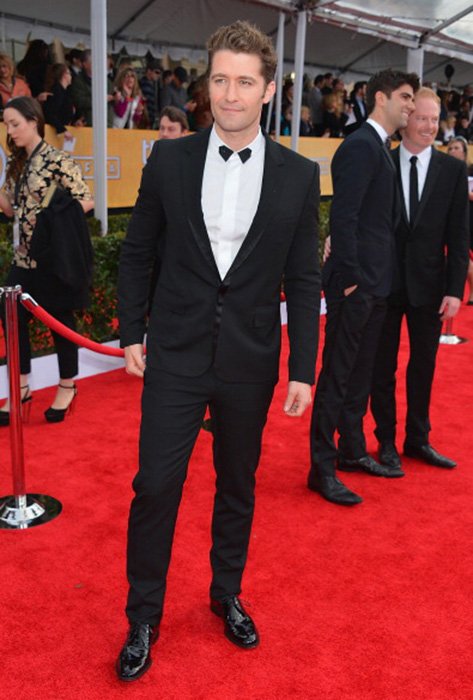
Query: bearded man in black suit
(357, 278)
(432, 241)
(231, 213)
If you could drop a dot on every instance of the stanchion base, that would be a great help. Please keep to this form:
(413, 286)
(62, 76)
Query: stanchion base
(451, 339)
(23, 512)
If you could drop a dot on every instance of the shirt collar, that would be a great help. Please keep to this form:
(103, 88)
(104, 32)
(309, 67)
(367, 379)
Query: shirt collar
(423, 157)
(382, 133)
(256, 145)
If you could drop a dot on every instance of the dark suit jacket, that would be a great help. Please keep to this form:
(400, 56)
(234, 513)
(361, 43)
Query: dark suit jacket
(58, 108)
(364, 211)
(359, 117)
(62, 249)
(198, 319)
(433, 254)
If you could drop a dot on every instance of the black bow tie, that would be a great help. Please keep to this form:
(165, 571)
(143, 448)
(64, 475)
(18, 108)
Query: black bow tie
(226, 152)
(387, 142)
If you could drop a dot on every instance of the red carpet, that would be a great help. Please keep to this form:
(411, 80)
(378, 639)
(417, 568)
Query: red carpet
(369, 603)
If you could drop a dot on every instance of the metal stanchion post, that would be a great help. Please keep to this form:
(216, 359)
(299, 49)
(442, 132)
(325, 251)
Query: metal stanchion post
(449, 337)
(21, 510)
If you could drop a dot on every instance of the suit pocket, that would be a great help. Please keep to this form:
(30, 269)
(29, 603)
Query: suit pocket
(174, 308)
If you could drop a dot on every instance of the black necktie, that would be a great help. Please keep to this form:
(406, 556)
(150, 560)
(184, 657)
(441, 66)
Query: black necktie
(226, 152)
(413, 190)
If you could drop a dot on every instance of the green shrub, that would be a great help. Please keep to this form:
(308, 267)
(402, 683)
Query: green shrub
(324, 214)
(98, 321)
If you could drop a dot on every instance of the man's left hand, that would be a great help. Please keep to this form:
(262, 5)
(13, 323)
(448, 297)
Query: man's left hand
(299, 396)
(449, 307)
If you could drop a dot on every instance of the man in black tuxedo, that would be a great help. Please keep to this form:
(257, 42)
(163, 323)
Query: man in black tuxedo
(357, 278)
(432, 241)
(232, 214)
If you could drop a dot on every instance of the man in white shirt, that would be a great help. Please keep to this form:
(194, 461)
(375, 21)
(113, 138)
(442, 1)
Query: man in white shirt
(432, 242)
(232, 213)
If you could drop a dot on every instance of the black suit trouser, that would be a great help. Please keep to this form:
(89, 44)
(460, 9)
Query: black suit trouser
(424, 327)
(172, 411)
(351, 336)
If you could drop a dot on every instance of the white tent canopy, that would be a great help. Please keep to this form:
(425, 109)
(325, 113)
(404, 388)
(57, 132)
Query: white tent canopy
(353, 39)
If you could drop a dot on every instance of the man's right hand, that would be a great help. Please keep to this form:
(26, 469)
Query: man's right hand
(327, 251)
(134, 360)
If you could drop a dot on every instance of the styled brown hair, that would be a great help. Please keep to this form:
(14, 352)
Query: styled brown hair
(175, 115)
(243, 37)
(30, 109)
(387, 81)
(54, 74)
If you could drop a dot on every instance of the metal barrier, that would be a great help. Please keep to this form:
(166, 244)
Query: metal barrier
(21, 510)
(449, 337)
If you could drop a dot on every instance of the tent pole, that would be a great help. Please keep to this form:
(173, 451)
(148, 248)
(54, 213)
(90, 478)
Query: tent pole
(279, 75)
(3, 31)
(98, 18)
(415, 61)
(298, 81)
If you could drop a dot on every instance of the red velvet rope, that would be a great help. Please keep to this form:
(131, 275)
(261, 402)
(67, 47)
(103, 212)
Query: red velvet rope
(66, 332)
(55, 325)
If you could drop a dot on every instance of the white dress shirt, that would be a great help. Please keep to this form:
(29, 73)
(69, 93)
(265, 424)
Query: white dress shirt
(231, 192)
(381, 131)
(423, 160)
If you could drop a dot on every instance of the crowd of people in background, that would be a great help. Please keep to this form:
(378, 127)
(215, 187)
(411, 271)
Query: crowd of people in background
(330, 110)
(138, 91)
(136, 94)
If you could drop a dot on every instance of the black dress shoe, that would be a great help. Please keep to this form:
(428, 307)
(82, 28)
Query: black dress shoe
(388, 455)
(333, 490)
(239, 627)
(370, 466)
(135, 657)
(427, 454)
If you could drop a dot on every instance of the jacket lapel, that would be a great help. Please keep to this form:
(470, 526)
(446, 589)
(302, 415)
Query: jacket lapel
(270, 192)
(378, 138)
(192, 176)
(430, 180)
(395, 157)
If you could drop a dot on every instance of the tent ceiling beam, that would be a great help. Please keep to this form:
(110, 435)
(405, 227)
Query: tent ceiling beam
(43, 23)
(401, 32)
(134, 17)
(447, 23)
(371, 50)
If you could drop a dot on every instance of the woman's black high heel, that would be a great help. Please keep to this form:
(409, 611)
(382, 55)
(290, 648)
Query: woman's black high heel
(57, 415)
(25, 408)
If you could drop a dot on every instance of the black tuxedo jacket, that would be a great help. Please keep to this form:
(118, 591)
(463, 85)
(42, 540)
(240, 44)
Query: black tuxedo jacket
(364, 212)
(198, 319)
(433, 253)
(360, 118)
